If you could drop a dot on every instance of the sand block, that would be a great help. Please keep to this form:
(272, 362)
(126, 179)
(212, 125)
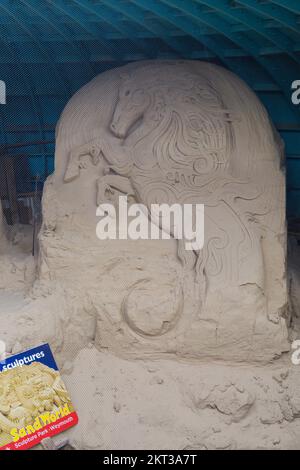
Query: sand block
(184, 132)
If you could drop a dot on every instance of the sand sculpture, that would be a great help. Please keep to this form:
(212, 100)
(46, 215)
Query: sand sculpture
(170, 132)
(201, 329)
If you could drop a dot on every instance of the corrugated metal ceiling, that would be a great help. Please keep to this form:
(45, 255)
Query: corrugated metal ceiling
(50, 48)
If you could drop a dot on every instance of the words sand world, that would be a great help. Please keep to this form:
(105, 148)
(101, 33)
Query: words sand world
(162, 222)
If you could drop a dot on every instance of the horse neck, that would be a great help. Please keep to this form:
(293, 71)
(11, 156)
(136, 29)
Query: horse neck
(149, 128)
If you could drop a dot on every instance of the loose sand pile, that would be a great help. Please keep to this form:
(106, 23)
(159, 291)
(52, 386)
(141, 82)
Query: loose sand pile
(159, 404)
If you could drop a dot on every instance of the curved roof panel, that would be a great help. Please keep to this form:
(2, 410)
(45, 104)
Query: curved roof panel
(50, 48)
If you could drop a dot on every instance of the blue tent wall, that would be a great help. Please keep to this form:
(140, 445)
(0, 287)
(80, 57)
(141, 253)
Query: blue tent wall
(49, 49)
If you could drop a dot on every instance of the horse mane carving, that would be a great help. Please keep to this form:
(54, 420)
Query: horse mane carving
(183, 132)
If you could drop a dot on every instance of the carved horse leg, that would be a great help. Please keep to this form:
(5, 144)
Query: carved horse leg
(92, 148)
(115, 154)
(109, 183)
